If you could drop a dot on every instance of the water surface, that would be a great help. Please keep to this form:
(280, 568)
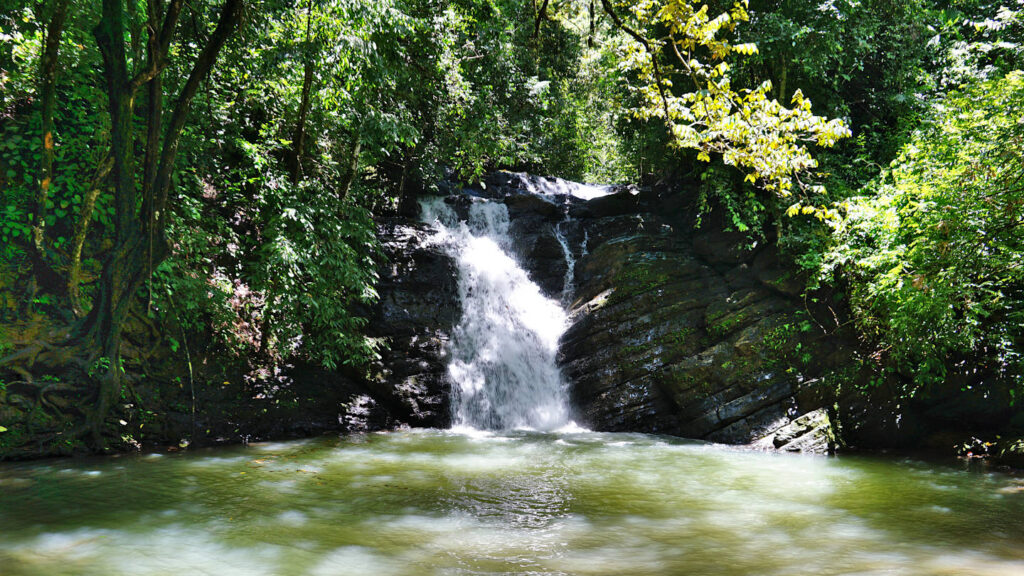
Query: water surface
(430, 502)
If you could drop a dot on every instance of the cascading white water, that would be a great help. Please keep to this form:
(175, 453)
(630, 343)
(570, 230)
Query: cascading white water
(559, 187)
(503, 351)
(570, 262)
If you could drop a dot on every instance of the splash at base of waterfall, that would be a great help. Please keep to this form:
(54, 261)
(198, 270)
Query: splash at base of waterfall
(503, 352)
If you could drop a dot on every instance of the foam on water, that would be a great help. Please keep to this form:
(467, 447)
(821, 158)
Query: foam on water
(438, 503)
(560, 187)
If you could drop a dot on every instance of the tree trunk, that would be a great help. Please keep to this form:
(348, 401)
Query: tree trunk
(47, 92)
(542, 13)
(353, 165)
(139, 239)
(102, 328)
(783, 77)
(81, 232)
(593, 25)
(299, 139)
(124, 272)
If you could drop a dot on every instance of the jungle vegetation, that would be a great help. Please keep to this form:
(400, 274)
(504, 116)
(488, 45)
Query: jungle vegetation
(213, 168)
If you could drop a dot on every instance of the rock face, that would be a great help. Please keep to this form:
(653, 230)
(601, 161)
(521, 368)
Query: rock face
(686, 334)
(418, 309)
(696, 334)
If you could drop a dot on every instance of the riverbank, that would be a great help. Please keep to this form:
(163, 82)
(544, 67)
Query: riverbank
(695, 332)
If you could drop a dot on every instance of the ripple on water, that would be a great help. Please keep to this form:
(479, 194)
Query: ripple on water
(436, 503)
(356, 561)
(89, 552)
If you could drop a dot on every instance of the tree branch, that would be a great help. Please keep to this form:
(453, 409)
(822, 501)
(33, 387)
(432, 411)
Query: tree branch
(159, 43)
(610, 10)
(229, 17)
(145, 76)
(170, 22)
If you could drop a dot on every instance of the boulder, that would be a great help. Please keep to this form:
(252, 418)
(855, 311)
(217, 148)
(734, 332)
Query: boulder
(811, 432)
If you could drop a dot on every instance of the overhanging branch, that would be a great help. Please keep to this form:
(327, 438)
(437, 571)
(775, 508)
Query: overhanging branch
(610, 10)
(229, 17)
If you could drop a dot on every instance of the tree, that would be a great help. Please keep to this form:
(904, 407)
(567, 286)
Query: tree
(139, 229)
(932, 250)
(140, 219)
(47, 93)
(746, 126)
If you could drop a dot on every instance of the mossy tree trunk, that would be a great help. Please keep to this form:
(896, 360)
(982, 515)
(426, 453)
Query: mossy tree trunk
(44, 276)
(140, 222)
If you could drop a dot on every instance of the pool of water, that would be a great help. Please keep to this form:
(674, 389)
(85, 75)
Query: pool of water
(445, 503)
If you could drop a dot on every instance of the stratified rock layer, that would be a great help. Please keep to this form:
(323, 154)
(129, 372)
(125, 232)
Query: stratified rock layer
(676, 331)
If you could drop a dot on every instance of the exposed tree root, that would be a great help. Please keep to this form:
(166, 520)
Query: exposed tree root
(24, 374)
(69, 362)
(30, 352)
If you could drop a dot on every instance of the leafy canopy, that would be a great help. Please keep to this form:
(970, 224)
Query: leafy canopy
(684, 80)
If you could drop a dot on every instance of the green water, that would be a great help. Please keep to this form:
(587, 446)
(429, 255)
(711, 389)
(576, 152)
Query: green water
(428, 502)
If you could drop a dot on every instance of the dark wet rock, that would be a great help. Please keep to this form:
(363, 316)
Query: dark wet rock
(1011, 452)
(697, 335)
(724, 247)
(534, 229)
(418, 309)
(547, 257)
(501, 182)
(460, 203)
(621, 203)
(769, 271)
(959, 416)
(535, 207)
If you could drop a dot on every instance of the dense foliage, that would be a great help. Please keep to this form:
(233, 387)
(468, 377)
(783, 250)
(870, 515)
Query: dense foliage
(933, 253)
(215, 167)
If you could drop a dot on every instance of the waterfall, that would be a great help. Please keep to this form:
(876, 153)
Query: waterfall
(559, 187)
(570, 262)
(503, 352)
